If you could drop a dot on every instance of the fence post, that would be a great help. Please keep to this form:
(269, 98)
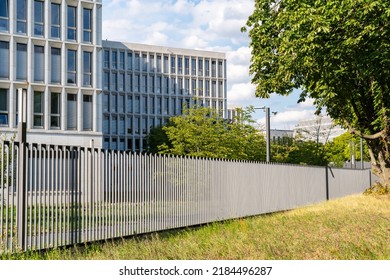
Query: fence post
(327, 182)
(22, 159)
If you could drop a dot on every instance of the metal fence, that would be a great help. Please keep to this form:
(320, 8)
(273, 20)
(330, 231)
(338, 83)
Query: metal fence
(75, 195)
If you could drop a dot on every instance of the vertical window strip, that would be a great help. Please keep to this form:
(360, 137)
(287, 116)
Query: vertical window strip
(21, 16)
(39, 18)
(55, 23)
(87, 25)
(4, 15)
(4, 107)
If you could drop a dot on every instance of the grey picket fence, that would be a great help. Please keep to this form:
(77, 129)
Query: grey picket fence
(66, 195)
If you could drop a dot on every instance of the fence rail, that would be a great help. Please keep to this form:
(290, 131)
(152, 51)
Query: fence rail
(75, 195)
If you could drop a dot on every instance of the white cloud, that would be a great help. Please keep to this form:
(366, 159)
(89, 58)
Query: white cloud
(241, 93)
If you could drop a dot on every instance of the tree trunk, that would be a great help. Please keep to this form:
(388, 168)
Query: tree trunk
(380, 158)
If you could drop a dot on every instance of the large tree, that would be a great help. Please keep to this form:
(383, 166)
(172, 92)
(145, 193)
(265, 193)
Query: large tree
(337, 52)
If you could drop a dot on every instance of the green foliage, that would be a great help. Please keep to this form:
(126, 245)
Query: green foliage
(338, 53)
(338, 151)
(299, 152)
(201, 132)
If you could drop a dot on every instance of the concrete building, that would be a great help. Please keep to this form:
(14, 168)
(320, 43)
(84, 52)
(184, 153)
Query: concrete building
(144, 85)
(82, 91)
(321, 127)
(53, 50)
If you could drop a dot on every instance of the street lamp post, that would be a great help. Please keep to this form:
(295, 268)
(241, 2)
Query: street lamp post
(267, 131)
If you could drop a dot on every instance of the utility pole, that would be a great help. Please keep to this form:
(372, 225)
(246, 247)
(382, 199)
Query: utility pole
(267, 131)
(22, 183)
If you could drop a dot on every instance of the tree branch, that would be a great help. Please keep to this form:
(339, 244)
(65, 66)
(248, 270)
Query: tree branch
(365, 136)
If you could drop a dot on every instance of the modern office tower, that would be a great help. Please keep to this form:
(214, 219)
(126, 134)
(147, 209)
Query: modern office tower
(80, 92)
(53, 50)
(144, 85)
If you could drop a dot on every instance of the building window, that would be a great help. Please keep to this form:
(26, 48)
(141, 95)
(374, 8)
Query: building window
(207, 87)
(151, 63)
(180, 85)
(136, 105)
(173, 65)
(144, 126)
(87, 25)
(114, 59)
(165, 85)
(220, 89)
(4, 58)
(114, 101)
(114, 81)
(173, 85)
(193, 66)
(106, 80)
(136, 83)
(144, 62)
(106, 124)
(136, 125)
(56, 65)
(158, 106)
(129, 104)
(39, 63)
(166, 64)
(87, 112)
(130, 84)
(207, 66)
(121, 103)
(136, 62)
(71, 111)
(21, 16)
(71, 67)
(55, 115)
(114, 125)
(38, 18)
(121, 78)
(144, 82)
(159, 63)
(187, 86)
(106, 59)
(179, 65)
(186, 66)
(214, 89)
(3, 107)
(21, 62)
(72, 23)
(213, 69)
(158, 84)
(106, 102)
(87, 69)
(55, 24)
(200, 67)
(220, 69)
(4, 15)
(122, 61)
(144, 101)
(129, 61)
(151, 105)
(122, 144)
(151, 84)
(166, 106)
(38, 115)
(193, 87)
(200, 87)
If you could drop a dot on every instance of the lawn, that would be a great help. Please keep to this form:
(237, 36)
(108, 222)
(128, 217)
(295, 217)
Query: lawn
(355, 227)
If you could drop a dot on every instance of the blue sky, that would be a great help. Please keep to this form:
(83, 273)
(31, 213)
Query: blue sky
(205, 25)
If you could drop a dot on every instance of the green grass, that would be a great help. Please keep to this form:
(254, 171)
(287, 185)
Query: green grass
(356, 227)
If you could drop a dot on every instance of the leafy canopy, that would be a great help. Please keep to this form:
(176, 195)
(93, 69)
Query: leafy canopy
(337, 52)
(201, 132)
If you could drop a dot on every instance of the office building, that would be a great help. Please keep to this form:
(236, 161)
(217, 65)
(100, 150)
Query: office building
(144, 85)
(82, 91)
